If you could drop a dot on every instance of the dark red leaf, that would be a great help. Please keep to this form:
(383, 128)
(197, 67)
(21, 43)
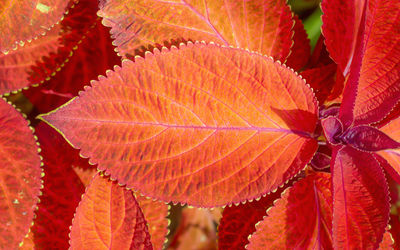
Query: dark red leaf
(301, 49)
(238, 222)
(61, 194)
(361, 200)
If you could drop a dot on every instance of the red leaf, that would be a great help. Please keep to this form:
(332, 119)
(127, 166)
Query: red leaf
(61, 194)
(39, 60)
(155, 214)
(222, 135)
(24, 20)
(19, 176)
(301, 50)
(238, 222)
(321, 80)
(361, 202)
(333, 129)
(261, 25)
(301, 219)
(368, 50)
(109, 217)
(341, 21)
(392, 156)
(82, 67)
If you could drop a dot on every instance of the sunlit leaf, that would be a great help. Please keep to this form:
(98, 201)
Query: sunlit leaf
(361, 202)
(261, 25)
(392, 156)
(301, 219)
(61, 194)
(365, 43)
(24, 20)
(109, 217)
(155, 213)
(83, 66)
(20, 175)
(219, 135)
(38, 61)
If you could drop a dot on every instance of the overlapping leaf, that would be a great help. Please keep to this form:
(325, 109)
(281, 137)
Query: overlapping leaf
(61, 194)
(201, 124)
(82, 67)
(24, 20)
(301, 50)
(361, 203)
(40, 59)
(368, 50)
(109, 217)
(155, 212)
(20, 175)
(301, 219)
(238, 222)
(262, 25)
(392, 156)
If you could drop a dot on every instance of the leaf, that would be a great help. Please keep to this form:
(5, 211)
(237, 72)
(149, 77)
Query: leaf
(20, 175)
(341, 22)
(321, 80)
(155, 213)
(387, 242)
(372, 88)
(392, 156)
(218, 136)
(333, 129)
(301, 50)
(41, 59)
(61, 194)
(109, 217)
(238, 222)
(301, 219)
(361, 202)
(83, 66)
(261, 25)
(15, 66)
(25, 20)
(368, 138)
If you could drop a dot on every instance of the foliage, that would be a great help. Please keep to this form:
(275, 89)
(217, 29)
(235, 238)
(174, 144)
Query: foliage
(208, 104)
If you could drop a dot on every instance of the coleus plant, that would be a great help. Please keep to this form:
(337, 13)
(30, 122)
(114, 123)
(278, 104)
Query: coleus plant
(201, 112)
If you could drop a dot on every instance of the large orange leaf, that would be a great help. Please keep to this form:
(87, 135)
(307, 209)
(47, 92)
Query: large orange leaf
(24, 20)
(20, 175)
(202, 124)
(109, 217)
(261, 25)
(301, 219)
(361, 203)
(368, 51)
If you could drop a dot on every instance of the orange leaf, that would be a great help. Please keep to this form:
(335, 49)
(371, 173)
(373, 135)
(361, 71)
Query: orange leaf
(260, 25)
(301, 219)
(24, 20)
(236, 128)
(155, 212)
(109, 217)
(20, 175)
